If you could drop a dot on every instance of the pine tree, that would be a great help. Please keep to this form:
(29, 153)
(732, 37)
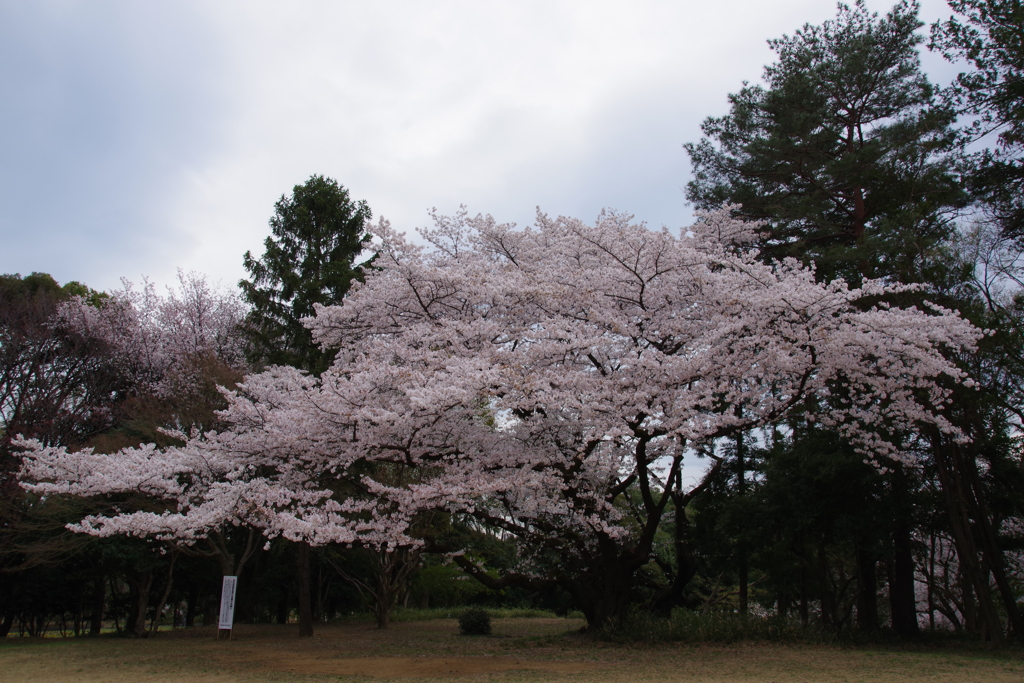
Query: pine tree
(318, 233)
(843, 151)
(989, 35)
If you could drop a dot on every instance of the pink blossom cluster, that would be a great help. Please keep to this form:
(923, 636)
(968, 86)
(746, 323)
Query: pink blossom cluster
(535, 379)
(156, 339)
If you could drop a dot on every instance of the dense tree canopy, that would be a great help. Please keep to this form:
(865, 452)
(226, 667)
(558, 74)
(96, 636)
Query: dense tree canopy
(854, 164)
(989, 35)
(843, 152)
(534, 379)
(56, 382)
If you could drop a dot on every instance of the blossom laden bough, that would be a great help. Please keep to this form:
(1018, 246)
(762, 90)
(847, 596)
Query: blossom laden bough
(539, 380)
(155, 340)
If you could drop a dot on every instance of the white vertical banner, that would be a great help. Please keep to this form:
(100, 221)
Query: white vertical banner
(227, 602)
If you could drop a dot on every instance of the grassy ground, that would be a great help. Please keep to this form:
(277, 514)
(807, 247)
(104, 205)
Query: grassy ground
(521, 649)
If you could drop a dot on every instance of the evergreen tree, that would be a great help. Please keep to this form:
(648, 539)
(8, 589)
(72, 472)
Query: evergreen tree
(318, 233)
(849, 160)
(990, 37)
(843, 151)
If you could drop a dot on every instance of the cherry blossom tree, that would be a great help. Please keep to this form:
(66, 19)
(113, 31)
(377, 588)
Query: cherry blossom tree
(548, 382)
(158, 339)
(171, 351)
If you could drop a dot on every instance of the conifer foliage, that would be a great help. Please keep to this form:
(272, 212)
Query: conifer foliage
(318, 235)
(989, 35)
(843, 150)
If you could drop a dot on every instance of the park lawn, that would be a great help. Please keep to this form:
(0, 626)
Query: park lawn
(532, 650)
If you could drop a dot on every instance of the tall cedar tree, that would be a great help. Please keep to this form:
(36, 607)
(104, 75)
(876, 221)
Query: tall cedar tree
(318, 233)
(843, 152)
(990, 38)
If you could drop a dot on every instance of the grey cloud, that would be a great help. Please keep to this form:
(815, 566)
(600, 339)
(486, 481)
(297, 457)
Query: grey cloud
(103, 102)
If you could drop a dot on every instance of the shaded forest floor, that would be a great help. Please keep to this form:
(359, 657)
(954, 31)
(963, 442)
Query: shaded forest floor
(534, 649)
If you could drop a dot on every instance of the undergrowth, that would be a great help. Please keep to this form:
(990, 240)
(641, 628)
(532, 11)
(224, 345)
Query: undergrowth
(642, 627)
(402, 614)
(691, 627)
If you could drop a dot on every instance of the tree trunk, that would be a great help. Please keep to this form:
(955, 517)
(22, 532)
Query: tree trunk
(99, 600)
(902, 594)
(282, 606)
(782, 603)
(969, 605)
(155, 626)
(867, 591)
(949, 465)
(686, 565)
(7, 623)
(743, 592)
(993, 554)
(382, 611)
(741, 489)
(305, 603)
(387, 587)
(391, 570)
(141, 585)
(602, 608)
(825, 594)
(805, 611)
(902, 597)
(603, 593)
(210, 612)
(193, 601)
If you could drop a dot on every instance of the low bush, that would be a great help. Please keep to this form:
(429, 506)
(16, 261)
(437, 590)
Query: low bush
(687, 626)
(692, 627)
(475, 622)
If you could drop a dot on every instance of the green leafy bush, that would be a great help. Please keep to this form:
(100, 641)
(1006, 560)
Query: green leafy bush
(475, 622)
(686, 626)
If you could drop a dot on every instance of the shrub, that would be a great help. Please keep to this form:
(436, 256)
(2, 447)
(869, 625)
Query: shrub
(686, 626)
(475, 622)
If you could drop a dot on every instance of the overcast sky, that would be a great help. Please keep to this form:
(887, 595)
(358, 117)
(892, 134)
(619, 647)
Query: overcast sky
(142, 137)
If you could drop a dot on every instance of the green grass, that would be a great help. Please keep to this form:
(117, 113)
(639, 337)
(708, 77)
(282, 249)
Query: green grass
(542, 649)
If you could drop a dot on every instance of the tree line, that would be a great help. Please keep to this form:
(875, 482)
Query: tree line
(837, 339)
